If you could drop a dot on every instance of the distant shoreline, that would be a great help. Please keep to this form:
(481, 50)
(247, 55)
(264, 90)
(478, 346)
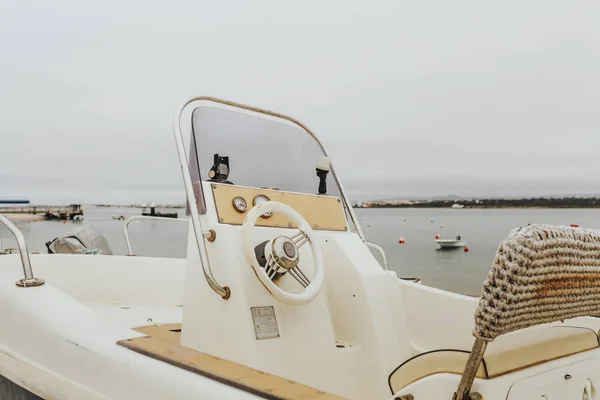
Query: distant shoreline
(532, 203)
(134, 205)
(481, 208)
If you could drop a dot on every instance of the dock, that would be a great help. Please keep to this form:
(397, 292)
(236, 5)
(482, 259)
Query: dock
(72, 211)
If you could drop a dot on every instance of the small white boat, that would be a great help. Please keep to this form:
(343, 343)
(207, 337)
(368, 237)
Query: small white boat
(451, 243)
(279, 296)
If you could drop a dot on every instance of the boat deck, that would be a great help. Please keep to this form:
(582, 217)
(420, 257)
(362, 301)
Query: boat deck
(163, 343)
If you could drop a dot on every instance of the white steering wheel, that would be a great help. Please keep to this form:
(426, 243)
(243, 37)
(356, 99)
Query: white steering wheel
(282, 255)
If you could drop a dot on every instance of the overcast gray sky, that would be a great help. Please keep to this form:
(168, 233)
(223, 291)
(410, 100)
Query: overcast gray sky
(411, 98)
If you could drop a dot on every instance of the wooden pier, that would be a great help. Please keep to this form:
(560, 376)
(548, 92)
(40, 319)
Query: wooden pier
(72, 211)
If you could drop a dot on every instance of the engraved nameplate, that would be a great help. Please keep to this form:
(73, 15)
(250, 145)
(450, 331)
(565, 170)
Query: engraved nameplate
(265, 323)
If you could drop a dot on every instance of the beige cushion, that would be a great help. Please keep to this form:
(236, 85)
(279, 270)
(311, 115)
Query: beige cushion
(507, 353)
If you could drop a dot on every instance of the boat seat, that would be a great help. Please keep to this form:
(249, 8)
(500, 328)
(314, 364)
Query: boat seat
(508, 353)
(163, 343)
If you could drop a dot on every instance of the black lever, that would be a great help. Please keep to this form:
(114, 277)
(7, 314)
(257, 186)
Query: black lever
(322, 171)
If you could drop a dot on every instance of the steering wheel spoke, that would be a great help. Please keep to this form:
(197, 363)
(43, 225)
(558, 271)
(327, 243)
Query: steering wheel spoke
(270, 268)
(300, 239)
(298, 275)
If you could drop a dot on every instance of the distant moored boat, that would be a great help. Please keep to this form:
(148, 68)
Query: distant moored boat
(451, 243)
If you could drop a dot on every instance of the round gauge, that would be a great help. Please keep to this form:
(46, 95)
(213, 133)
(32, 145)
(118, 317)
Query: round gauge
(259, 199)
(240, 204)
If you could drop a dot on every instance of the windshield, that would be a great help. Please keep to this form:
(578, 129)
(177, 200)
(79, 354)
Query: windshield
(262, 151)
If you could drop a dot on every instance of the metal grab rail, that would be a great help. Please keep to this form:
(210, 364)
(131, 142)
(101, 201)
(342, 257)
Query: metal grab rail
(29, 279)
(207, 234)
(381, 253)
(138, 217)
(222, 291)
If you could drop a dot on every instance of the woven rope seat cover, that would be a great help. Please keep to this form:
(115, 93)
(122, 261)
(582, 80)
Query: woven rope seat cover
(541, 274)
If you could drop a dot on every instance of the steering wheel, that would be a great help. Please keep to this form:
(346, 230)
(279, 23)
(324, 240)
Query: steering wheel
(282, 255)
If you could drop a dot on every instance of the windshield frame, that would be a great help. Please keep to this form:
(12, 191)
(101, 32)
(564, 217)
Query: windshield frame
(194, 168)
(182, 123)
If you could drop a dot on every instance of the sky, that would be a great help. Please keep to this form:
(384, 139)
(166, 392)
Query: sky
(411, 98)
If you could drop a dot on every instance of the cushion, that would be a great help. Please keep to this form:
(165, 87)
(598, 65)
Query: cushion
(507, 353)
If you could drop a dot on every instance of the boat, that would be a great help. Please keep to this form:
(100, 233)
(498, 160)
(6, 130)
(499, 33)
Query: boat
(451, 243)
(150, 211)
(280, 297)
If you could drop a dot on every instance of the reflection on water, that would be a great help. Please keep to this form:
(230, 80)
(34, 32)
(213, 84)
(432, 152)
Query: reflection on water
(453, 270)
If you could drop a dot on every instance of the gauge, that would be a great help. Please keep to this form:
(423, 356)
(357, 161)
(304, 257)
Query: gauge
(240, 204)
(259, 199)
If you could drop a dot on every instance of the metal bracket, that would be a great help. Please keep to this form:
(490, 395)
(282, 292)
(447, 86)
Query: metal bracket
(29, 280)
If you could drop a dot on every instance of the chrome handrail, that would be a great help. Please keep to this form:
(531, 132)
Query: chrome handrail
(29, 279)
(207, 234)
(146, 217)
(381, 253)
(222, 291)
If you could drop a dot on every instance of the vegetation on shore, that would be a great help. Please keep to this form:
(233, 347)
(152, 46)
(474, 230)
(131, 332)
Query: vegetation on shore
(538, 202)
(137, 205)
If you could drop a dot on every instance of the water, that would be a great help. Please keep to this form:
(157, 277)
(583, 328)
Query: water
(148, 238)
(452, 270)
(483, 230)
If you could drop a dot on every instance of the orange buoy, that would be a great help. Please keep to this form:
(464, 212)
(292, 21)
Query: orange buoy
(437, 236)
(575, 225)
(466, 250)
(64, 222)
(401, 240)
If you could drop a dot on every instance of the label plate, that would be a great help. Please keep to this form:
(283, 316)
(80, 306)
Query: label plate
(265, 323)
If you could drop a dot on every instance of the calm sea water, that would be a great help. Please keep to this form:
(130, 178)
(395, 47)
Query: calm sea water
(453, 270)
(148, 238)
(483, 230)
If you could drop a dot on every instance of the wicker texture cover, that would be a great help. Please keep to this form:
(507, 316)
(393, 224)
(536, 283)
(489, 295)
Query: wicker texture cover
(541, 274)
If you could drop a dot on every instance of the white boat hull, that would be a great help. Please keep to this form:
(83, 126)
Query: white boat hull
(367, 336)
(451, 244)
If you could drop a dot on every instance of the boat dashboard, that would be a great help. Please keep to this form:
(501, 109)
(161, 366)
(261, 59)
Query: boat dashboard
(232, 204)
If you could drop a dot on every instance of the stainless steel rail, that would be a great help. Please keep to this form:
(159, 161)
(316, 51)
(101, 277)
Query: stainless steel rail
(144, 217)
(381, 253)
(206, 234)
(29, 279)
(222, 291)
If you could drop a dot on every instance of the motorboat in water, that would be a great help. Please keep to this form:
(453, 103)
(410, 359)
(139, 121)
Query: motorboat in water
(456, 243)
(150, 211)
(279, 296)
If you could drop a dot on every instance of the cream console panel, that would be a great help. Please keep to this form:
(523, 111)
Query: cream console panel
(322, 212)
